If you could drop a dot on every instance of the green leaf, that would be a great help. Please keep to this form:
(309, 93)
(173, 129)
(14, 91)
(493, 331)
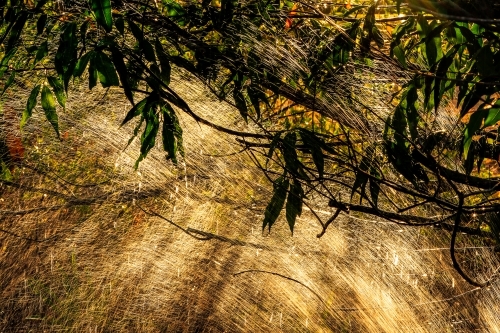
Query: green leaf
(102, 12)
(81, 64)
(472, 127)
(400, 55)
(49, 107)
(42, 52)
(66, 54)
(16, 30)
(164, 62)
(30, 105)
(105, 70)
(171, 133)
(58, 88)
(293, 206)
(9, 82)
(492, 117)
(135, 111)
(121, 69)
(4, 64)
(275, 206)
(148, 137)
(40, 24)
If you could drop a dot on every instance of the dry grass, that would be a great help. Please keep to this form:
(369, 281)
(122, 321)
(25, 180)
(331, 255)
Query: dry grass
(105, 265)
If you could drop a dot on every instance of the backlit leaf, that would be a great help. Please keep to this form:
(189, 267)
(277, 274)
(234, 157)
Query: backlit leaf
(106, 71)
(30, 105)
(102, 12)
(58, 88)
(49, 107)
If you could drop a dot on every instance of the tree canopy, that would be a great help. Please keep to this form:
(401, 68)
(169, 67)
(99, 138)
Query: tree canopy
(388, 108)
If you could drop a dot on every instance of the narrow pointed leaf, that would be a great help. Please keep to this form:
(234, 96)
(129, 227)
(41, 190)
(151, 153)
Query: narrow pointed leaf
(40, 24)
(82, 63)
(135, 111)
(102, 12)
(30, 105)
(43, 51)
(49, 107)
(275, 206)
(106, 70)
(58, 88)
(121, 69)
(293, 206)
(16, 30)
(9, 82)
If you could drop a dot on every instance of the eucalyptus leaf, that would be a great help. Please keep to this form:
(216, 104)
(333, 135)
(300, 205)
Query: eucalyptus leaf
(102, 12)
(30, 105)
(49, 107)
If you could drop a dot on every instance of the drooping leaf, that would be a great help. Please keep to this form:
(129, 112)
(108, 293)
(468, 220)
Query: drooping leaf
(493, 115)
(313, 145)
(105, 70)
(15, 32)
(58, 89)
(82, 63)
(102, 12)
(121, 69)
(292, 163)
(49, 107)
(148, 137)
(400, 55)
(30, 105)
(40, 24)
(147, 50)
(4, 64)
(9, 82)
(66, 54)
(171, 133)
(136, 31)
(275, 206)
(43, 51)
(164, 62)
(293, 206)
(135, 110)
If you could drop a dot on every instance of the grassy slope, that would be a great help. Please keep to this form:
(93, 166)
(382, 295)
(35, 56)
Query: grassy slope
(105, 265)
